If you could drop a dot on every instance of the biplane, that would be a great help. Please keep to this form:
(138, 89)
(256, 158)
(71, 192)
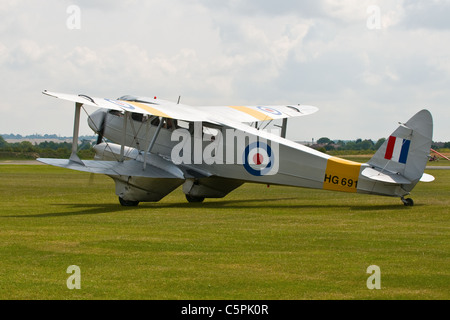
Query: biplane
(150, 147)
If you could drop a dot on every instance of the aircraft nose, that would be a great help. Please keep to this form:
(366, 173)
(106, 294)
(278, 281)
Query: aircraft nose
(96, 120)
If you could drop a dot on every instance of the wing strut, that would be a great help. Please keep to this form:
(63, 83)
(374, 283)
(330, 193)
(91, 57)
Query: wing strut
(76, 128)
(124, 140)
(150, 146)
(284, 128)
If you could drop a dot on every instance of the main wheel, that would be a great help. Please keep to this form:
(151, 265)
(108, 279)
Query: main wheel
(128, 203)
(194, 199)
(408, 202)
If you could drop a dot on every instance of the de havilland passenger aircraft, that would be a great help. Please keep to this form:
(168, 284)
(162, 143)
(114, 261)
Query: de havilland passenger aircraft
(150, 147)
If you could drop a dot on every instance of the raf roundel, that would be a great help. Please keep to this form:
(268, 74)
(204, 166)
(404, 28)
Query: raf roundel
(270, 110)
(258, 158)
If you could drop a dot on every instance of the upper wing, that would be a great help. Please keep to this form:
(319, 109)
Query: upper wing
(167, 109)
(225, 116)
(156, 107)
(260, 113)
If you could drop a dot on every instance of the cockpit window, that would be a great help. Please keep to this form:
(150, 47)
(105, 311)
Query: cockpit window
(116, 113)
(127, 98)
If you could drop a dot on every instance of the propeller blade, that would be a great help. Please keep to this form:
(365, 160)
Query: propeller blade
(101, 129)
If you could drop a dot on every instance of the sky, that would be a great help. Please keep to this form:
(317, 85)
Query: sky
(366, 65)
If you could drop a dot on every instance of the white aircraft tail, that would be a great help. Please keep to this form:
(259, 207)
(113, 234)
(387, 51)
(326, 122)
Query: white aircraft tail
(404, 155)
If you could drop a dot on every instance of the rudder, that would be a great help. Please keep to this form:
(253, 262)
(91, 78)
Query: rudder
(406, 151)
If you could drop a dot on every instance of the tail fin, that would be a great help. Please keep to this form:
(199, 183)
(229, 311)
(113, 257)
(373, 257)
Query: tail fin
(405, 152)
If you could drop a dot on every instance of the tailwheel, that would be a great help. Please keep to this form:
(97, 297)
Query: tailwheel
(128, 203)
(408, 202)
(194, 199)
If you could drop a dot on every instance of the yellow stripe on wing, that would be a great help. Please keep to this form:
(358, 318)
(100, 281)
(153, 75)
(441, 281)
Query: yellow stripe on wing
(252, 112)
(149, 109)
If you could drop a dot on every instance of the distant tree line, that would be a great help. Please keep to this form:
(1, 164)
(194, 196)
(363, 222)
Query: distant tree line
(50, 149)
(354, 145)
(367, 145)
(47, 149)
(40, 136)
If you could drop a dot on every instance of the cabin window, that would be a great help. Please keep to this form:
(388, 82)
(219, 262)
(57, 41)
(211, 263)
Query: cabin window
(169, 124)
(183, 124)
(154, 121)
(210, 133)
(116, 113)
(137, 116)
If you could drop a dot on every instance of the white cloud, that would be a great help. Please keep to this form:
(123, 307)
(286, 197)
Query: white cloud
(429, 14)
(3, 53)
(216, 52)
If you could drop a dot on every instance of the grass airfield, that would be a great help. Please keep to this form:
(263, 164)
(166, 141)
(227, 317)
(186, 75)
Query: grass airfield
(256, 243)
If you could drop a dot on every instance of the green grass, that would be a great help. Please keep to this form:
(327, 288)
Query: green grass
(257, 243)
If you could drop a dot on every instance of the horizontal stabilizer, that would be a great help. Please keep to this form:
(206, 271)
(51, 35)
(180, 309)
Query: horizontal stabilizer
(113, 168)
(427, 178)
(388, 177)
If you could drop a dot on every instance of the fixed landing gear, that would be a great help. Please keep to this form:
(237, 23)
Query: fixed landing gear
(407, 202)
(128, 203)
(194, 199)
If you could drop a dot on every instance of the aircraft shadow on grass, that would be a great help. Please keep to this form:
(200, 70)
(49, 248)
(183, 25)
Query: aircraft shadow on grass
(269, 203)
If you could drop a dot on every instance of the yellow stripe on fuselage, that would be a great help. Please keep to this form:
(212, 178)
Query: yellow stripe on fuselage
(252, 112)
(341, 175)
(149, 109)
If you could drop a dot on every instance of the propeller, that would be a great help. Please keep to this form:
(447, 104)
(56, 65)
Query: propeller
(100, 132)
(101, 129)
